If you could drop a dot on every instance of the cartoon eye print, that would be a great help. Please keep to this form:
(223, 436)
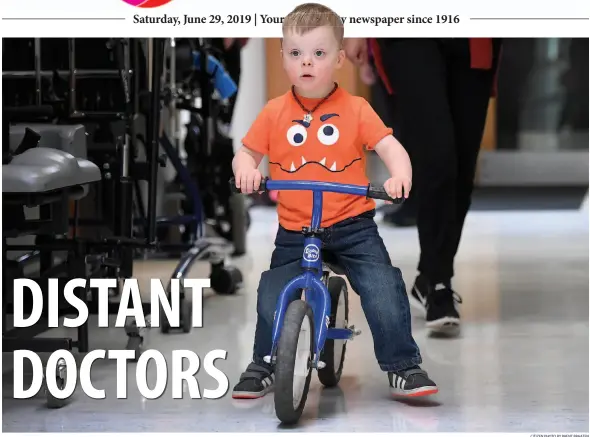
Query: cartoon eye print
(328, 134)
(296, 135)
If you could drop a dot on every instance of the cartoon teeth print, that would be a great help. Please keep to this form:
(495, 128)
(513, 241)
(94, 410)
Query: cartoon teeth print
(327, 135)
(333, 168)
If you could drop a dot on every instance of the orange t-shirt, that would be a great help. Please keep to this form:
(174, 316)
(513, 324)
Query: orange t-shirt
(330, 149)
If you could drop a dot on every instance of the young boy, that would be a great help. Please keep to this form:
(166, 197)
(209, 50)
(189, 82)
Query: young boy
(317, 131)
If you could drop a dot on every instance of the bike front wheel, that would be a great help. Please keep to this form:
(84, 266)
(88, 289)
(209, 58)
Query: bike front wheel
(294, 359)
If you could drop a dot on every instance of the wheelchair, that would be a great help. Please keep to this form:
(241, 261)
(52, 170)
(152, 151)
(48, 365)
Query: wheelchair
(72, 129)
(311, 332)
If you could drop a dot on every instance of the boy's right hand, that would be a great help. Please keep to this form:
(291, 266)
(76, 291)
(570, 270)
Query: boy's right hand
(248, 180)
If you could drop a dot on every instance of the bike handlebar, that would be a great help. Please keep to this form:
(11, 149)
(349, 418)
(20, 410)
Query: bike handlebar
(370, 191)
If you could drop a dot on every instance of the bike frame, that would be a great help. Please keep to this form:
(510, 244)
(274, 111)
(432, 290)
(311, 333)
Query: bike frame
(310, 281)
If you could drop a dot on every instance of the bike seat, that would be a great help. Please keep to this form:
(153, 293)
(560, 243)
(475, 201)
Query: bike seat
(331, 263)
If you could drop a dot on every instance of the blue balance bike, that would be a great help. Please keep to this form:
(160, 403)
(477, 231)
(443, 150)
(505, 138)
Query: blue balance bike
(310, 328)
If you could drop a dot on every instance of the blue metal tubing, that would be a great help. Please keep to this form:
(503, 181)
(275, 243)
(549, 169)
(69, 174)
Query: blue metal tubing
(191, 187)
(332, 187)
(310, 281)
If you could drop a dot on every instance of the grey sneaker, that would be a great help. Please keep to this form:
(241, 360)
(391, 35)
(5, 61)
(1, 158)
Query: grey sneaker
(411, 382)
(254, 383)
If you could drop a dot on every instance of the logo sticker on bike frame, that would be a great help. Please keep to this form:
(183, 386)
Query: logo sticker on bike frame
(311, 253)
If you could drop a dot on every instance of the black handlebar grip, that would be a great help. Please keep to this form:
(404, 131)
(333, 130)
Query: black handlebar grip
(234, 189)
(378, 192)
(232, 185)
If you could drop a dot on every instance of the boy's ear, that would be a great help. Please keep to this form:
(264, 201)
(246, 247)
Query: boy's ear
(341, 57)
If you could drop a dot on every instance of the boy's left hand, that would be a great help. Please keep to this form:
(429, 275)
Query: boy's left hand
(398, 187)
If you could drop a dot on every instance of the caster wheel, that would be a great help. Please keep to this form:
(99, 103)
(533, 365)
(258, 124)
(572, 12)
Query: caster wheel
(225, 279)
(61, 380)
(135, 344)
(186, 315)
(237, 275)
(335, 350)
(164, 323)
(294, 362)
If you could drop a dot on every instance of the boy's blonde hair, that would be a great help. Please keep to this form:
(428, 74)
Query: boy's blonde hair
(309, 16)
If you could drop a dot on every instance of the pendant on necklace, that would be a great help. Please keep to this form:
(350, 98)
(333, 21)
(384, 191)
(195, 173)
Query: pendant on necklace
(307, 118)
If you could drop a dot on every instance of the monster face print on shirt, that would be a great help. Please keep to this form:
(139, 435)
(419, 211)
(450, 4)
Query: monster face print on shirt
(327, 134)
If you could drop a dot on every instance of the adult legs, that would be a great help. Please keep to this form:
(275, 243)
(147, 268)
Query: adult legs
(469, 95)
(418, 73)
(446, 138)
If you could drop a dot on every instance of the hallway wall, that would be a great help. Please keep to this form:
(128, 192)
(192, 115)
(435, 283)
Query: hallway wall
(252, 94)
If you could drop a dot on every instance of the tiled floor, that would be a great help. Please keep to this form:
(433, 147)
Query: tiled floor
(520, 364)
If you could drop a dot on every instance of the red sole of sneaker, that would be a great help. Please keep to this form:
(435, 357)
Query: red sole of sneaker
(417, 394)
(246, 397)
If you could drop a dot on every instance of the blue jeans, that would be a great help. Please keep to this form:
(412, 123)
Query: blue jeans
(357, 247)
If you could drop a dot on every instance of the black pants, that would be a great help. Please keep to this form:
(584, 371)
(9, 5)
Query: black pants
(442, 108)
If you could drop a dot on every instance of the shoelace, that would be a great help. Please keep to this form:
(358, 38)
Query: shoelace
(254, 371)
(439, 296)
(456, 297)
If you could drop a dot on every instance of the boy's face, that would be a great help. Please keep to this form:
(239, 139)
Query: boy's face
(311, 59)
